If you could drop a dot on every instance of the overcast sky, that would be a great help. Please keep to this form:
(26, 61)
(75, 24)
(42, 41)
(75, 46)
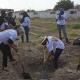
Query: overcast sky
(30, 4)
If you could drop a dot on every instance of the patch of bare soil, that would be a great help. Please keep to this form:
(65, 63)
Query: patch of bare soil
(31, 57)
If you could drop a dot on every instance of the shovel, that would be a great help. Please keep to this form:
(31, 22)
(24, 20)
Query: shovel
(44, 73)
(25, 75)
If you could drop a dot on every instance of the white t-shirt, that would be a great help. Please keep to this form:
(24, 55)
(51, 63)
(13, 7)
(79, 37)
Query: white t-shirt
(26, 22)
(52, 44)
(59, 21)
(8, 34)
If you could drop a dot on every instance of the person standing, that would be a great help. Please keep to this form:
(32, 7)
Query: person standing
(11, 20)
(61, 24)
(25, 23)
(7, 38)
(3, 21)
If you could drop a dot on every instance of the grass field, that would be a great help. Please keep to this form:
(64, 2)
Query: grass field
(32, 55)
(48, 27)
(69, 58)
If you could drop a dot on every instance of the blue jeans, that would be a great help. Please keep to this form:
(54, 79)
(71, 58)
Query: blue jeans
(26, 28)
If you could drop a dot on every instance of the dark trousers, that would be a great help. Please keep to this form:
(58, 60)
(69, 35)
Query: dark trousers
(27, 33)
(63, 29)
(6, 51)
(56, 56)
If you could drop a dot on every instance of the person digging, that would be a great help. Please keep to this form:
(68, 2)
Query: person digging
(55, 48)
(7, 38)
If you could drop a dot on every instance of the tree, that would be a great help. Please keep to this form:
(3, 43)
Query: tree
(65, 4)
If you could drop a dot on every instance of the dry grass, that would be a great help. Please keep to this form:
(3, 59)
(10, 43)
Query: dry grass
(32, 54)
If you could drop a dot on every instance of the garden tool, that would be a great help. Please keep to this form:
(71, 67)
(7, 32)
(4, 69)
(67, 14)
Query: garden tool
(25, 75)
(44, 74)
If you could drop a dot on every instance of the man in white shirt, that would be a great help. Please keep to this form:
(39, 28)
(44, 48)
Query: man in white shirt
(55, 47)
(7, 38)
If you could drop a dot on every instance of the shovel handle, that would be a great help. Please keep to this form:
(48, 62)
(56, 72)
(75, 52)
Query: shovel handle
(44, 55)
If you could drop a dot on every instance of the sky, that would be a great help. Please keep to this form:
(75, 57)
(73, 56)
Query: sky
(30, 4)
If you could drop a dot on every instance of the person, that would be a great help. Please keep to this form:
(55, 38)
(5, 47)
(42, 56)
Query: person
(76, 42)
(7, 38)
(3, 14)
(3, 20)
(61, 24)
(4, 26)
(55, 47)
(11, 19)
(25, 23)
(21, 32)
